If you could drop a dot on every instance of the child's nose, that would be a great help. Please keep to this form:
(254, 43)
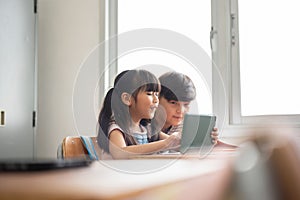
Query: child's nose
(181, 108)
(155, 98)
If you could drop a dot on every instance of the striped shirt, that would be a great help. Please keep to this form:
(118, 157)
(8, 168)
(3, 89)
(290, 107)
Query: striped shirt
(140, 137)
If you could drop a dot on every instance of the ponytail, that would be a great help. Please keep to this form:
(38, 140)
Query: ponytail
(104, 119)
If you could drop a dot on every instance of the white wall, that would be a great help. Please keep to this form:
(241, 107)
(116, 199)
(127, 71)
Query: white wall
(67, 31)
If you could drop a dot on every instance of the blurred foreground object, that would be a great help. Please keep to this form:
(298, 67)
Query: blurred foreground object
(267, 167)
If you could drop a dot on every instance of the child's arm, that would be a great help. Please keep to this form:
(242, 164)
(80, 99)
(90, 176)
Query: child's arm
(163, 136)
(119, 150)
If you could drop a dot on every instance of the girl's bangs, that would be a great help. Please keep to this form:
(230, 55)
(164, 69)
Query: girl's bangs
(155, 87)
(150, 87)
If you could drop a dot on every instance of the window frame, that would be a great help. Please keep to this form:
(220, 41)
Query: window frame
(226, 57)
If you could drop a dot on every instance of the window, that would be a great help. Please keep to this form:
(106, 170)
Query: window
(254, 81)
(257, 60)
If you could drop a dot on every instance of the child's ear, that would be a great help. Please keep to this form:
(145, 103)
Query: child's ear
(126, 98)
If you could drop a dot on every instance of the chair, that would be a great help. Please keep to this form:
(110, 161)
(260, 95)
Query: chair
(80, 147)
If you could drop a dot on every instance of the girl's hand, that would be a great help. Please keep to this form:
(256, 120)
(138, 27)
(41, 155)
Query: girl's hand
(214, 135)
(172, 142)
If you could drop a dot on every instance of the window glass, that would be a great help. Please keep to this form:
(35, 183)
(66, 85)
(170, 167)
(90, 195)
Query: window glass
(269, 39)
(192, 18)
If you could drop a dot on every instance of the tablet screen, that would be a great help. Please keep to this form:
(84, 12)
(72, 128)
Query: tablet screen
(196, 132)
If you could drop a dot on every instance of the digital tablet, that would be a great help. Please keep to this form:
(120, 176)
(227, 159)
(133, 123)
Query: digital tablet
(196, 132)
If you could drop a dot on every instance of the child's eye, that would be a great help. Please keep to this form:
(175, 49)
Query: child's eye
(186, 105)
(173, 102)
(150, 93)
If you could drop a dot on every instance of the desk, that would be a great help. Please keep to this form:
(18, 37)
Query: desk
(123, 179)
(221, 150)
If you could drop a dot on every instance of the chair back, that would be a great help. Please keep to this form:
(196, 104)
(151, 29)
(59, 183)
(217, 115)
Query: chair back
(73, 147)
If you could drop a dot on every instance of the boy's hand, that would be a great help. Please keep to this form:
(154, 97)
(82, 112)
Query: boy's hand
(214, 135)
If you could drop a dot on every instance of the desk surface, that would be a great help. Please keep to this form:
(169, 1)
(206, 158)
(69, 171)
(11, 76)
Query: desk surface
(122, 179)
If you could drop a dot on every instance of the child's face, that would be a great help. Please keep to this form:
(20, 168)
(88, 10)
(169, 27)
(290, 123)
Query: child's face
(145, 105)
(175, 111)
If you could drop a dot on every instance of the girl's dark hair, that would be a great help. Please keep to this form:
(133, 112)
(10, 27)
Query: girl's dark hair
(113, 109)
(177, 86)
